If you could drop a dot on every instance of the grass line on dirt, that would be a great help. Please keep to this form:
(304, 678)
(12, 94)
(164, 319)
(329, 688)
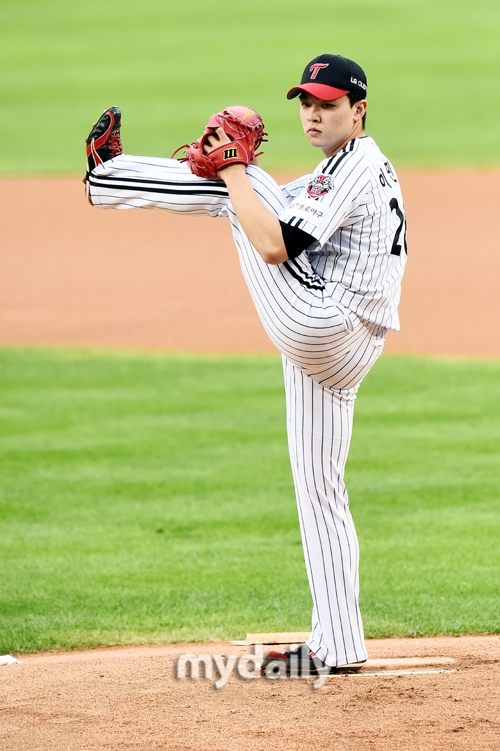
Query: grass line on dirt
(148, 498)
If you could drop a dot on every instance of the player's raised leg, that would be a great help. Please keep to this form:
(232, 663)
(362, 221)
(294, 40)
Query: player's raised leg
(118, 181)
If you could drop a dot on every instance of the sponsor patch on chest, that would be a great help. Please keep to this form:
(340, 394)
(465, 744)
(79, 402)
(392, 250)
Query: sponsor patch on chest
(320, 185)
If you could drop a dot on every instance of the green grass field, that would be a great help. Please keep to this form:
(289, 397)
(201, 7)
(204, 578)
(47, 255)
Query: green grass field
(148, 498)
(432, 70)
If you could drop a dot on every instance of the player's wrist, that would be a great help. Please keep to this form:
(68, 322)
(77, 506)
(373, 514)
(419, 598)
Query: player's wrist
(232, 172)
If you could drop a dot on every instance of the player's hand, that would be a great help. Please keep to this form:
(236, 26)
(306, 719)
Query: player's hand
(220, 137)
(217, 139)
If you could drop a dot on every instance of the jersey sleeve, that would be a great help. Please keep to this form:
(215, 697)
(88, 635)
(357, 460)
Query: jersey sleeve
(331, 197)
(294, 188)
(295, 239)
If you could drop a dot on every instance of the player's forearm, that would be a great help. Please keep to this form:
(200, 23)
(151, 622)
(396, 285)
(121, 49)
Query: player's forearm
(259, 224)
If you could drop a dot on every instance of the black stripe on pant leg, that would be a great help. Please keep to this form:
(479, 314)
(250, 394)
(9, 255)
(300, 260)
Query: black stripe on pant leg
(215, 185)
(163, 191)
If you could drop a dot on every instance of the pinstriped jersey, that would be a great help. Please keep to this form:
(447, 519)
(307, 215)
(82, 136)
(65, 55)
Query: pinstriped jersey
(353, 207)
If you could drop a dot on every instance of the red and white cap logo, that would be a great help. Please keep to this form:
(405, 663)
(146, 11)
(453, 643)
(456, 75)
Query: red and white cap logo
(316, 67)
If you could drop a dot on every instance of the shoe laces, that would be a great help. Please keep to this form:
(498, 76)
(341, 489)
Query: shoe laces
(115, 144)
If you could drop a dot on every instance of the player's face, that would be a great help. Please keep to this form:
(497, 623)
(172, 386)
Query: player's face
(330, 125)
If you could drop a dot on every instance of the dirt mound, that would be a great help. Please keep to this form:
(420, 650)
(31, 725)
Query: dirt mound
(129, 698)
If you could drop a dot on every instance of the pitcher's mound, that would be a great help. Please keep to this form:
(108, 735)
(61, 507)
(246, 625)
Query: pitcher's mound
(130, 698)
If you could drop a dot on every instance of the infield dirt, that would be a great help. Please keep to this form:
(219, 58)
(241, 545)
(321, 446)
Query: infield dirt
(76, 276)
(129, 698)
(148, 279)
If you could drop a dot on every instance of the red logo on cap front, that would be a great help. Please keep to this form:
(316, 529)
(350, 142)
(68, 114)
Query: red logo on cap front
(315, 68)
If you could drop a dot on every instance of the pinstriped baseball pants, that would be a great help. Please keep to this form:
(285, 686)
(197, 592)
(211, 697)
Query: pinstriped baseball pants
(326, 353)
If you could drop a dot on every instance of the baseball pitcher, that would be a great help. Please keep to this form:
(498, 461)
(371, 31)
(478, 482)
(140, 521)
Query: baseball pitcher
(323, 259)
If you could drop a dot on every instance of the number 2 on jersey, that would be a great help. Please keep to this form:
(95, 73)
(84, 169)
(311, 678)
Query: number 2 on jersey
(396, 247)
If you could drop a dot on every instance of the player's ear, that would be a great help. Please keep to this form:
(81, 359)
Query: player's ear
(360, 109)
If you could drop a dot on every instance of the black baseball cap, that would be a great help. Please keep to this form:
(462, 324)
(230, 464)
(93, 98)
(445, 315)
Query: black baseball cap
(329, 77)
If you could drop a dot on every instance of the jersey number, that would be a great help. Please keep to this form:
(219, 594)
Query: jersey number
(396, 247)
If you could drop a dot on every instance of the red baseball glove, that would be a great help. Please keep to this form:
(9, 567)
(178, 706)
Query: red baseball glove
(242, 125)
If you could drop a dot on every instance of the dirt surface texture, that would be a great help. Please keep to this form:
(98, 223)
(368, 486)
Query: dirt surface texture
(132, 698)
(73, 274)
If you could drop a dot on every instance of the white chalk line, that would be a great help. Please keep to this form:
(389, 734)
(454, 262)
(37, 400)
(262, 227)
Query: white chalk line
(363, 674)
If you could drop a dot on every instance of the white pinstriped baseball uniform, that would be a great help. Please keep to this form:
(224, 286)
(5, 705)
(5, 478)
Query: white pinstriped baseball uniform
(327, 311)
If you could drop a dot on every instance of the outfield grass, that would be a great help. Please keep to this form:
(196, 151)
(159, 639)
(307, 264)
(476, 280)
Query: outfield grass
(432, 69)
(147, 498)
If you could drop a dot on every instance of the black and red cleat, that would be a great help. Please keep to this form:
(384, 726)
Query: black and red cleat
(103, 142)
(301, 663)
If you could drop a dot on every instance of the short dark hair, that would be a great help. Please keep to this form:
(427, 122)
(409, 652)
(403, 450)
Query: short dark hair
(355, 97)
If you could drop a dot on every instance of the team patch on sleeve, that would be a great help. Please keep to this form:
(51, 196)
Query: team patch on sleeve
(319, 185)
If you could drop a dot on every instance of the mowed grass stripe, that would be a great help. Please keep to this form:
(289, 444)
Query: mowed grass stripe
(148, 498)
(432, 73)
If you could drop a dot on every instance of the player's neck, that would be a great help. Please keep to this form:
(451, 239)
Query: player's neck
(356, 133)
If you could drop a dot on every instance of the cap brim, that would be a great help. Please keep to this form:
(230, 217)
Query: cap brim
(319, 90)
